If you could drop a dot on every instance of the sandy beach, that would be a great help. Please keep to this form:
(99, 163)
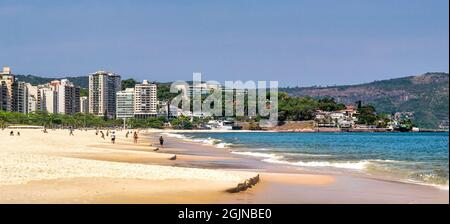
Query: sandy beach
(55, 167)
(58, 168)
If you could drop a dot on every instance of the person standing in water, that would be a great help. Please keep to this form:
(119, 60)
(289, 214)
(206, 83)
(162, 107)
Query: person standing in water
(161, 141)
(135, 137)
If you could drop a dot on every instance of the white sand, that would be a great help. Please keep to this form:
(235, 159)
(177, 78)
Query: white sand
(32, 156)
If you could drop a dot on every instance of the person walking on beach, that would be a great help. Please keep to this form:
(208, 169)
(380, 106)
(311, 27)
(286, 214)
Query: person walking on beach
(113, 137)
(161, 141)
(102, 135)
(18, 133)
(126, 135)
(71, 132)
(135, 137)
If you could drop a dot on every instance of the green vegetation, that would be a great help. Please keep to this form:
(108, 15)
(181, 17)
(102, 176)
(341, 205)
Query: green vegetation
(181, 122)
(82, 81)
(303, 108)
(163, 92)
(128, 83)
(78, 120)
(406, 125)
(84, 92)
(427, 96)
(151, 122)
(383, 120)
(367, 115)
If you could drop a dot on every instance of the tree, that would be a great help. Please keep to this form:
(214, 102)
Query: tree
(329, 104)
(181, 122)
(128, 83)
(367, 115)
(383, 120)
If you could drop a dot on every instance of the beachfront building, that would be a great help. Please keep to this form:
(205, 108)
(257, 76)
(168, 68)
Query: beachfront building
(125, 104)
(345, 118)
(6, 71)
(166, 110)
(68, 96)
(20, 97)
(145, 100)
(6, 89)
(47, 99)
(32, 96)
(103, 87)
(84, 104)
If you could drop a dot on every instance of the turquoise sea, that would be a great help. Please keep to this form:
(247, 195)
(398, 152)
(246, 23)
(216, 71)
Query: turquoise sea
(411, 157)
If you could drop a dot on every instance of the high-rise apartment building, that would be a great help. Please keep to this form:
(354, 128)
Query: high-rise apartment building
(68, 96)
(84, 104)
(145, 101)
(20, 97)
(33, 97)
(48, 99)
(6, 89)
(58, 96)
(125, 103)
(103, 87)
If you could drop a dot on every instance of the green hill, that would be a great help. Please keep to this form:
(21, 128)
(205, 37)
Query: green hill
(426, 95)
(82, 81)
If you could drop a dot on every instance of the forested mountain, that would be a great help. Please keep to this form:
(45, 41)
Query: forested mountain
(426, 95)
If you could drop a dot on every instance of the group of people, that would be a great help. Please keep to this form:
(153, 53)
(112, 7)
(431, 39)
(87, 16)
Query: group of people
(135, 136)
(113, 135)
(12, 133)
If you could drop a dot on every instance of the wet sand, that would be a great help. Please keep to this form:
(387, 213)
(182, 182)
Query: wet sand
(288, 184)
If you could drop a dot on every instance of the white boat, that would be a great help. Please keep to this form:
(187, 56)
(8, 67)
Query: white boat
(220, 125)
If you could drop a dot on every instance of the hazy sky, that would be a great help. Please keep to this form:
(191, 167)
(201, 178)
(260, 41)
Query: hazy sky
(295, 42)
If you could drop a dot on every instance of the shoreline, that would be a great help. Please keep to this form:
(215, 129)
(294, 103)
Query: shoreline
(84, 168)
(270, 158)
(289, 168)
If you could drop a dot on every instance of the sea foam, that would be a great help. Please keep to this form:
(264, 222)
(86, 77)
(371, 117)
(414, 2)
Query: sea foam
(206, 141)
(279, 159)
(360, 165)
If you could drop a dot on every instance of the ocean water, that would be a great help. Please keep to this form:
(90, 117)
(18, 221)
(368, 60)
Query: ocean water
(410, 157)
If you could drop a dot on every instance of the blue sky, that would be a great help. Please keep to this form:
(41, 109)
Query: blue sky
(294, 42)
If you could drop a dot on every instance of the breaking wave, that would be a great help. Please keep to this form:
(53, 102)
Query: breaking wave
(206, 141)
